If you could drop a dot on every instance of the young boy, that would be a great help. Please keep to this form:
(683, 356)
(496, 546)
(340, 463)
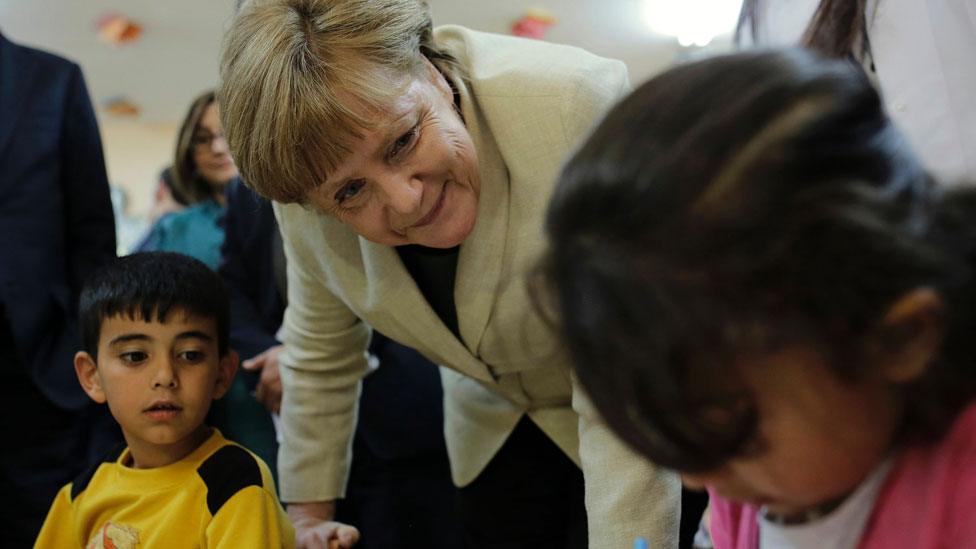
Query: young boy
(155, 349)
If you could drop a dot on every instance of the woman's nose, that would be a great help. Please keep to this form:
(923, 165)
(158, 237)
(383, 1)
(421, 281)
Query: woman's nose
(219, 145)
(403, 197)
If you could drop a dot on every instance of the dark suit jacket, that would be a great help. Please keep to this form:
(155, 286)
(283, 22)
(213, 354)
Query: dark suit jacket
(400, 412)
(55, 212)
(256, 305)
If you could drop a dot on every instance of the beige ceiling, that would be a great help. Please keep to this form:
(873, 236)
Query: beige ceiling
(177, 54)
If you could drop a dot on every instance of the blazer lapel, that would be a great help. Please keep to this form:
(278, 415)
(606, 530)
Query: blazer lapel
(389, 287)
(16, 76)
(483, 253)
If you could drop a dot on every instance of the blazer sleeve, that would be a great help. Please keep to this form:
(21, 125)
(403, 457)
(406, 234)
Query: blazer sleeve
(89, 221)
(321, 369)
(626, 496)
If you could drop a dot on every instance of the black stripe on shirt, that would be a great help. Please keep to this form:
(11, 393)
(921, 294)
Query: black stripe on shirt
(226, 472)
(81, 482)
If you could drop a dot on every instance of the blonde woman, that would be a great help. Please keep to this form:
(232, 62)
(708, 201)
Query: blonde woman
(411, 168)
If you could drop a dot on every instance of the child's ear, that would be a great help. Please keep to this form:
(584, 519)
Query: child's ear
(87, 371)
(911, 334)
(225, 373)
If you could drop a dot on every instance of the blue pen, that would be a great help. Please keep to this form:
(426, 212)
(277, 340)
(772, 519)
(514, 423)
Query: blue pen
(640, 543)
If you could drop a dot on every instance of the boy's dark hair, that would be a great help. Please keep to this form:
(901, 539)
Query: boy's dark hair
(740, 204)
(149, 285)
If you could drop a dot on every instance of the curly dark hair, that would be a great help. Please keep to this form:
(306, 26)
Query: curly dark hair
(739, 204)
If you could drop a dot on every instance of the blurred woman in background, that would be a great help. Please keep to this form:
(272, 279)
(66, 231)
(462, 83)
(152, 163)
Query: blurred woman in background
(202, 168)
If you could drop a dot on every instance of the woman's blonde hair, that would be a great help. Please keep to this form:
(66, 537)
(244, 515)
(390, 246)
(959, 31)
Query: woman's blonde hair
(300, 79)
(187, 182)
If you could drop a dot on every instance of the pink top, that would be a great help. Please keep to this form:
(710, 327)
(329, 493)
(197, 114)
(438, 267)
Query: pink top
(928, 500)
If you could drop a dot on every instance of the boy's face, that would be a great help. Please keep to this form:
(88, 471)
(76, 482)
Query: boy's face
(159, 379)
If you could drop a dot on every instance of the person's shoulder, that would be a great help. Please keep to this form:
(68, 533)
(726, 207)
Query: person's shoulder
(171, 219)
(242, 198)
(238, 189)
(230, 468)
(204, 212)
(43, 59)
(953, 454)
(208, 207)
(163, 229)
(959, 443)
(84, 479)
(501, 65)
(933, 483)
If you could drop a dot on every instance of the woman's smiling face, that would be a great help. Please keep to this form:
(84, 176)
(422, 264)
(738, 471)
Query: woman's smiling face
(413, 179)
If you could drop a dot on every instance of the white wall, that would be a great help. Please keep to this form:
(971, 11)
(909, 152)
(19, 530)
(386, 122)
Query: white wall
(134, 154)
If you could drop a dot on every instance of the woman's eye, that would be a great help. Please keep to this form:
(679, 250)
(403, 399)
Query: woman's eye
(403, 142)
(134, 357)
(349, 190)
(201, 139)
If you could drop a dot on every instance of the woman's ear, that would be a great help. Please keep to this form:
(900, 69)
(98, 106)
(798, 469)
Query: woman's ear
(87, 371)
(911, 332)
(226, 370)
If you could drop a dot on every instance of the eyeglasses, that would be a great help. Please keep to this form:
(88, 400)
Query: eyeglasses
(206, 139)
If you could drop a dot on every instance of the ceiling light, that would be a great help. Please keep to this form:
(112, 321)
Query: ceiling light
(692, 22)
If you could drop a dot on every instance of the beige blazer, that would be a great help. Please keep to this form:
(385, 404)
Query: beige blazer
(526, 104)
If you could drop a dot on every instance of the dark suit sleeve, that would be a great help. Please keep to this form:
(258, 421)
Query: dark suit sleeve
(89, 222)
(242, 259)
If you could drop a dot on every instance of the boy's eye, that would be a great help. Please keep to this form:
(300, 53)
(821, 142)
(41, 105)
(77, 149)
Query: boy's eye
(192, 356)
(134, 357)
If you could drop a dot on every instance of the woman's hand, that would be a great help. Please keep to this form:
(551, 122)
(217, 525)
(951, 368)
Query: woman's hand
(268, 391)
(315, 529)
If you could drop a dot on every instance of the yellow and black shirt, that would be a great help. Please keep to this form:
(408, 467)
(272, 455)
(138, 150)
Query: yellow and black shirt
(221, 495)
